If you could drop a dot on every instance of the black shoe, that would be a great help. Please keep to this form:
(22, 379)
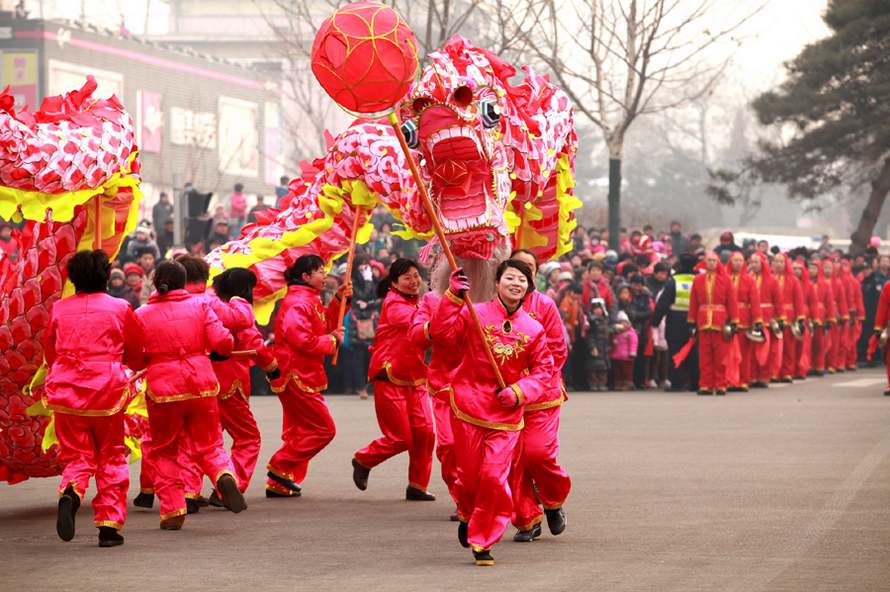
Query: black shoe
(144, 500)
(202, 501)
(462, 533)
(720, 393)
(69, 502)
(191, 506)
(418, 495)
(556, 520)
(887, 393)
(736, 389)
(271, 493)
(109, 537)
(704, 392)
(786, 380)
(360, 475)
(527, 536)
(483, 558)
(284, 482)
(758, 384)
(454, 517)
(232, 498)
(215, 501)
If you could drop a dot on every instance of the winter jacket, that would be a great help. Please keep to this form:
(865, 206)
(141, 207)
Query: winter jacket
(394, 358)
(624, 345)
(598, 342)
(543, 309)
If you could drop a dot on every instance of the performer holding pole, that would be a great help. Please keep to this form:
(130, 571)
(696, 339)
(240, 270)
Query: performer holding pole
(400, 397)
(304, 334)
(90, 336)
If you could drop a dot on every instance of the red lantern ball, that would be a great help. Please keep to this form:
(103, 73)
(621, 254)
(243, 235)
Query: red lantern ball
(365, 57)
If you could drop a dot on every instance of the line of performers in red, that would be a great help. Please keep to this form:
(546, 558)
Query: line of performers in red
(775, 320)
(497, 446)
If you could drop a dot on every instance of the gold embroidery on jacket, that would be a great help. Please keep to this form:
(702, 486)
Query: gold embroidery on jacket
(505, 351)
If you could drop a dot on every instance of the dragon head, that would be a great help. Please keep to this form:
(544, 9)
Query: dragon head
(452, 120)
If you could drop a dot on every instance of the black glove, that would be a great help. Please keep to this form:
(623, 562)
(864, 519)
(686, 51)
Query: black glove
(758, 328)
(734, 328)
(273, 374)
(801, 326)
(692, 329)
(215, 357)
(781, 325)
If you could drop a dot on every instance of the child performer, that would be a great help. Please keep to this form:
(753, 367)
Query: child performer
(536, 466)
(90, 335)
(182, 391)
(487, 419)
(400, 397)
(304, 334)
(234, 380)
(623, 352)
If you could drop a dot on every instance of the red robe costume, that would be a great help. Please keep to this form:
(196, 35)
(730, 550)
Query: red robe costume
(401, 401)
(712, 303)
(793, 310)
(182, 390)
(536, 464)
(442, 364)
(882, 316)
(857, 313)
(823, 345)
(805, 356)
(748, 301)
(234, 401)
(302, 340)
(485, 432)
(771, 307)
(88, 338)
(840, 335)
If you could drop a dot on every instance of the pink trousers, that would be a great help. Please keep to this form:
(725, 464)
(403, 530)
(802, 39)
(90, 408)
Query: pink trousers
(445, 444)
(484, 457)
(307, 427)
(535, 464)
(94, 447)
(237, 419)
(406, 421)
(195, 421)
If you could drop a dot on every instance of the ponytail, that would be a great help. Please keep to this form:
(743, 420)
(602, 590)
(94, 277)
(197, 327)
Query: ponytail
(169, 275)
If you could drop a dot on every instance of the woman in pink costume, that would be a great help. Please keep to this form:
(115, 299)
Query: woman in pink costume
(400, 397)
(536, 464)
(180, 332)
(304, 334)
(488, 419)
(90, 335)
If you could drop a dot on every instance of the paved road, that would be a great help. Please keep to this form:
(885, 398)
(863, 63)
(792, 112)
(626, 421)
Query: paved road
(785, 489)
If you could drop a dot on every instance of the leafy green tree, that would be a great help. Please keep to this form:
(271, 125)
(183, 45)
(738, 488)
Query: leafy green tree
(832, 115)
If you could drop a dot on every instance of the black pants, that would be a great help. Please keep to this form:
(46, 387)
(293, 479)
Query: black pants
(686, 376)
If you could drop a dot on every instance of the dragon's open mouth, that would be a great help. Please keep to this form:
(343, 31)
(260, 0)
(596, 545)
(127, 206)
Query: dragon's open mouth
(461, 178)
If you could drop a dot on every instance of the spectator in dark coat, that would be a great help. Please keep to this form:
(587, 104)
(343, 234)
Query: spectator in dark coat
(640, 314)
(677, 329)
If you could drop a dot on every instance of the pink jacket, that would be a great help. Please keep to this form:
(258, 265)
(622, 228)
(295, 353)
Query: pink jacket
(89, 338)
(397, 359)
(303, 339)
(544, 310)
(179, 333)
(443, 360)
(520, 349)
(236, 314)
(624, 345)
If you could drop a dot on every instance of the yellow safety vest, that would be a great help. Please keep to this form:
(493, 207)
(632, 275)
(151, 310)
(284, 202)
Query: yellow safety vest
(684, 291)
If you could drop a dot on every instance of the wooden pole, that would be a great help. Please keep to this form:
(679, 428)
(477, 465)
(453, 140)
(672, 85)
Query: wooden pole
(434, 218)
(97, 240)
(350, 258)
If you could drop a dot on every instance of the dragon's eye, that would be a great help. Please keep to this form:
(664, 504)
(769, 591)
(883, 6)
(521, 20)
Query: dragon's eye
(491, 115)
(409, 130)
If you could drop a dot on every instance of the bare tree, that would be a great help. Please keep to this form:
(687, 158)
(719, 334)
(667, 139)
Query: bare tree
(619, 60)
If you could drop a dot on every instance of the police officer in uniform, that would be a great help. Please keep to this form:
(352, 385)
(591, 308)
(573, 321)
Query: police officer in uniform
(673, 304)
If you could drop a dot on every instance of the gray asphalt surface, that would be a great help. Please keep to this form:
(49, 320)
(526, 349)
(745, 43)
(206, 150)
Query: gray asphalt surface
(784, 489)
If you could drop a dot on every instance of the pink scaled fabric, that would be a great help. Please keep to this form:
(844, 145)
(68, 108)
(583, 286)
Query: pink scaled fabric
(307, 427)
(406, 420)
(197, 420)
(443, 362)
(536, 461)
(483, 469)
(94, 447)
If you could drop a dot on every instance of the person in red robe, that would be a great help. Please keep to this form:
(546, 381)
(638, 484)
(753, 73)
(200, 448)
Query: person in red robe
(771, 306)
(840, 336)
(793, 311)
(712, 307)
(882, 318)
(750, 317)
(857, 313)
